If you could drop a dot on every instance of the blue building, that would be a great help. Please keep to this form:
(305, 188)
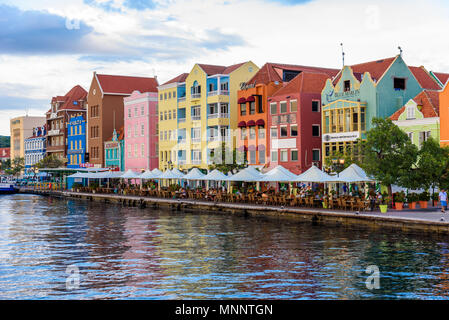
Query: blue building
(35, 148)
(76, 141)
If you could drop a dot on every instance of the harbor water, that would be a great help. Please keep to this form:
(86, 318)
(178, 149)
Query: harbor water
(54, 248)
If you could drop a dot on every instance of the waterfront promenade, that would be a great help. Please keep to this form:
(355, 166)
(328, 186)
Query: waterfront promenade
(430, 220)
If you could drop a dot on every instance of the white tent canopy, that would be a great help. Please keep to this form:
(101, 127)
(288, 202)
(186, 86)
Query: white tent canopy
(177, 173)
(169, 175)
(130, 175)
(279, 174)
(314, 175)
(215, 175)
(194, 174)
(156, 173)
(352, 174)
(147, 175)
(79, 175)
(249, 174)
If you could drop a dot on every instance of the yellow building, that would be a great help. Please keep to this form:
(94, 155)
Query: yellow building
(198, 112)
(21, 128)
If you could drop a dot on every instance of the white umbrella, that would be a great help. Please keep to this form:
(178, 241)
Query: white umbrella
(147, 175)
(215, 175)
(130, 175)
(194, 174)
(177, 173)
(314, 175)
(279, 174)
(249, 174)
(156, 173)
(168, 175)
(352, 174)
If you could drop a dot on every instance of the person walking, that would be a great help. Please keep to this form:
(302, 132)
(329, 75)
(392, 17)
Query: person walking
(443, 200)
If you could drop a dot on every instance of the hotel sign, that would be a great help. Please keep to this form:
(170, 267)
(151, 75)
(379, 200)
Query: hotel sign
(341, 137)
(333, 96)
(246, 86)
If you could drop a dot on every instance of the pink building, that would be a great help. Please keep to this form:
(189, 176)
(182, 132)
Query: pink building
(141, 131)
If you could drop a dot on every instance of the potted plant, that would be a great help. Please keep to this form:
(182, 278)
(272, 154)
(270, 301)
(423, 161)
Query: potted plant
(384, 203)
(435, 199)
(424, 199)
(399, 199)
(412, 198)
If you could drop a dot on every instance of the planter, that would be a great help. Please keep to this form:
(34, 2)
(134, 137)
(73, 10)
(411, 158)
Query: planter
(435, 203)
(383, 208)
(324, 205)
(398, 205)
(423, 204)
(412, 205)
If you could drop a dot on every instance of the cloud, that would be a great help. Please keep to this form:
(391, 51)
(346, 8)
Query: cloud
(139, 4)
(39, 32)
(21, 103)
(290, 2)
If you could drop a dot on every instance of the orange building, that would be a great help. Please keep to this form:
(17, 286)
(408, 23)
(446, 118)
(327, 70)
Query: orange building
(444, 115)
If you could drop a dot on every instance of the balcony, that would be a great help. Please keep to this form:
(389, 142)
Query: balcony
(182, 141)
(196, 95)
(54, 115)
(196, 161)
(54, 132)
(218, 93)
(196, 118)
(181, 120)
(182, 99)
(217, 115)
(55, 148)
(196, 140)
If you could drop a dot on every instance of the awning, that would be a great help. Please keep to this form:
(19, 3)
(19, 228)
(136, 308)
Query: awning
(250, 99)
(241, 100)
(261, 147)
(260, 122)
(243, 148)
(252, 148)
(251, 123)
(242, 124)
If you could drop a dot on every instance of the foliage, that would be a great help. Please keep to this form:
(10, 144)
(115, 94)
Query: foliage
(412, 197)
(349, 156)
(385, 200)
(94, 185)
(388, 153)
(5, 142)
(77, 185)
(227, 167)
(399, 197)
(424, 196)
(50, 161)
(17, 165)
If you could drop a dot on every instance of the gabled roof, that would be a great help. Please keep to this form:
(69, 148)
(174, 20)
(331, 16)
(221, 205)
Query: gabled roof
(75, 95)
(376, 69)
(214, 69)
(271, 72)
(305, 82)
(181, 78)
(120, 134)
(113, 84)
(430, 102)
(425, 80)
(443, 77)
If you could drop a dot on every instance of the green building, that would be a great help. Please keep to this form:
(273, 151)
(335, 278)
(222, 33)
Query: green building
(114, 151)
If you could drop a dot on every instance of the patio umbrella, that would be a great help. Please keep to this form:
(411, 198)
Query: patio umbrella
(156, 173)
(314, 175)
(194, 174)
(178, 173)
(352, 174)
(249, 174)
(130, 175)
(279, 174)
(215, 175)
(147, 175)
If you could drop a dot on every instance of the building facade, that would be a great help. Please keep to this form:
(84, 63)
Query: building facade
(141, 138)
(106, 108)
(63, 108)
(357, 95)
(5, 154)
(35, 148)
(22, 128)
(114, 150)
(76, 141)
(419, 118)
(198, 113)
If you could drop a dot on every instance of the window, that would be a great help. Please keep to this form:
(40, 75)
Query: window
(399, 83)
(284, 132)
(142, 111)
(252, 132)
(315, 106)
(165, 96)
(165, 115)
(243, 109)
(161, 97)
(224, 86)
(224, 132)
(347, 85)
(142, 130)
(411, 112)
(196, 156)
(274, 133)
(169, 95)
(316, 130)
(252, 107)
(284, 155)
(261, 156)
(294, 155)
(174, 94)
(142, 150)
(294, 130)
(135, 151)
(316, 154)
(196, 113)
(273, 108)
(261, 131)
(224, 108)
(243, 133)
(423, 136)
(410, 136)
(196, 134)
(252, 157)
(162, 116)
(274, 156)
(174, 114)
(283, 107)
(136, 130)
(293, 105)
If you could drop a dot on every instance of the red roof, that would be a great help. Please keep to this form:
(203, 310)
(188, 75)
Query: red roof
(120, 134)
(443, 77)
(305, 82)
(425, 80)
(428, 100)
(76, 95)
(181, 78)
(5, 152)
(271, 72)
(214, 69)
(375, 68)
(126, 85)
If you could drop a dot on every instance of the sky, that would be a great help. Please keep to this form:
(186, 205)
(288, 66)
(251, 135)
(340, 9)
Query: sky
(49, 46)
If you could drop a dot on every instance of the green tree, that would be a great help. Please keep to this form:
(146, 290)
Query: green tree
(17, 166)
(50, 161)
(338, 160)
(220, 163)
(388, 153)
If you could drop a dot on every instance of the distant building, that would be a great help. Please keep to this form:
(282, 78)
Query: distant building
(63, 108)
(5, 154)
(444, 113)
(141, 139)
(114, 151)
(35, 148)
(106, 106)
(22, 128)
(76, 141)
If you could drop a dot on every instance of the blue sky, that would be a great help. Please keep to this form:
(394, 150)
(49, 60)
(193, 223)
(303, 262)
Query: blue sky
(48, 46)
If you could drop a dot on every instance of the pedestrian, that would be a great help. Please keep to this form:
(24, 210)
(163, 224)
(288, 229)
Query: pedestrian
(443, 200)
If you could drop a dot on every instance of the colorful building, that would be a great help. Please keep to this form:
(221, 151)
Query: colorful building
(198, 113)
(444, 115)
(76, 141)
(255, 115)
(35, 148)
(114, 151)
(106, 107)
(22, 128)
(361, 92)
(141, 139)
(419, 118)
(63, 108)
(5, 154)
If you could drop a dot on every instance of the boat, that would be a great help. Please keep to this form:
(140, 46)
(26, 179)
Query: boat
(8, 188)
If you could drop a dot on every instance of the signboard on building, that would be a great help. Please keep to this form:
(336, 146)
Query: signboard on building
(283, 143)
(111, 144)
(86, 165)
(341, 137)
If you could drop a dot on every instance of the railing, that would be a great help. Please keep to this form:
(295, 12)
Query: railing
(196, 117)
(196, 95)
(75, 151)
(182, 99)
(196, 140)
(54, 132)
(53, 115)
(218, 93)
(196, 161)
(181, 120)
(217, 115)
(213, 138)
(182, 141)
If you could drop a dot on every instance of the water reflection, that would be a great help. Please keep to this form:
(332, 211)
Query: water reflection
(131, 253)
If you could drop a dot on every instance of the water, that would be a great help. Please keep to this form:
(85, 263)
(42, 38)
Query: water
(129, 253)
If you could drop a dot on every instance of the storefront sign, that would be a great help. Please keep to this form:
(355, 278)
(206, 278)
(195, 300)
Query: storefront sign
(246, 86)
(340, 137)
(110, 145)
(86, 165)
(283, 143)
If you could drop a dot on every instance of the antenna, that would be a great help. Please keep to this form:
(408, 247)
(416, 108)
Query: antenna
(342, 54)
(400, 51)
(113, 116)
